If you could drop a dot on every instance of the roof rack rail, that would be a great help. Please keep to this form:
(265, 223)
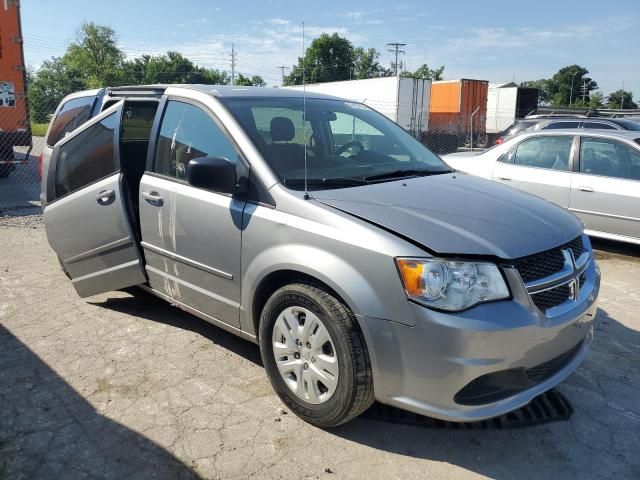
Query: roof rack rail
(137, 91)
(554, 112)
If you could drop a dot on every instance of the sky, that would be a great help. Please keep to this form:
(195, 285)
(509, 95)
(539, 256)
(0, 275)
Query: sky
(495, 41)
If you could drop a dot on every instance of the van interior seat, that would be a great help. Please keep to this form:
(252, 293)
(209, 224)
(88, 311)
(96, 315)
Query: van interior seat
(283, 155)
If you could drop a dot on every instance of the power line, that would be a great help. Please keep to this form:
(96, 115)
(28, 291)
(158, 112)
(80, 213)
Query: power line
(395, 48)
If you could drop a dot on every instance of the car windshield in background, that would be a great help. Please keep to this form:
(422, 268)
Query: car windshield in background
(627, 124)
(347, 144)
(518, 127)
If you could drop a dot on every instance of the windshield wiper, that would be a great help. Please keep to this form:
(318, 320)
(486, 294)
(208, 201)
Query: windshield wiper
(343, 181)
(403, 174)
(327, 182)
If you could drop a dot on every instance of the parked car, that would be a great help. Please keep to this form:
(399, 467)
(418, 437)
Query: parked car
(563, 123)
(593, 123)
(515, 129)
(593, 173)
(319, 229)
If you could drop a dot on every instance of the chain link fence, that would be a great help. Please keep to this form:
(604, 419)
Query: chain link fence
(21, 144)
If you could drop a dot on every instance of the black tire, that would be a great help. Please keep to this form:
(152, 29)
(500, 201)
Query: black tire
(354, 390)
(482, 140)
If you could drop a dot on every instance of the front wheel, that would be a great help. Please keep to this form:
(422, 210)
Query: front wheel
(315, 355)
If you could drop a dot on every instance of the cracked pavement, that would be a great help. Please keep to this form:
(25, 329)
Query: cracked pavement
(124, 385)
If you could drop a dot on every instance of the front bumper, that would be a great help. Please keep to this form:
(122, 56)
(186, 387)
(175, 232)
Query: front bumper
(422, 368)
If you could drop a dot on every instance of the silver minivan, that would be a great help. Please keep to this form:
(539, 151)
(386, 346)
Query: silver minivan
(363, 266)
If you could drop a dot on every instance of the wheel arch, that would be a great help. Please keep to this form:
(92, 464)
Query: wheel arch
(279, 278)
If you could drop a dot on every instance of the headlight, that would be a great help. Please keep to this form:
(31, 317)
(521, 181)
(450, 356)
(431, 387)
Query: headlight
(450, 285)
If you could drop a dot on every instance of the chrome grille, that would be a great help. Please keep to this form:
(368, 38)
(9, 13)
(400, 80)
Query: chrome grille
(555, 277)
(577, 246)
(540, 265)
(552, 297)
(545, 264)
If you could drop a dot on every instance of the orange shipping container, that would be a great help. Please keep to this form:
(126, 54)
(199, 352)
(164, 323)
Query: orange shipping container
(14, 118)
(453, 102)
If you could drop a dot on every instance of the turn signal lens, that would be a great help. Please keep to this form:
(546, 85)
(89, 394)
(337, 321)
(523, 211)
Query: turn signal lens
(411, 272)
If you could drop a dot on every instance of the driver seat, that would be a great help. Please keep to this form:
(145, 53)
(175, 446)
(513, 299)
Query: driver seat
(284, 156)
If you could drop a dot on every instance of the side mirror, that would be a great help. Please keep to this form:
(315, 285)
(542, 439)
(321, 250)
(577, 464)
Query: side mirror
(214, 173)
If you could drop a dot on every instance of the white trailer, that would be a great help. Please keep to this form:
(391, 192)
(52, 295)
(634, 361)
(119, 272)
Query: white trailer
(404, 100)
(506, 102)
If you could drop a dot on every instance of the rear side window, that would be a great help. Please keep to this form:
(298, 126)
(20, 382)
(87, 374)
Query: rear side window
(542, 152)
(188, 132)
(87, 157)
(561, 125)
(73, 113)
(609, 158)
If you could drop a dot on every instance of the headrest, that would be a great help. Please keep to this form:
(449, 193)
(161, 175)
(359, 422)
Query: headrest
(282, 129)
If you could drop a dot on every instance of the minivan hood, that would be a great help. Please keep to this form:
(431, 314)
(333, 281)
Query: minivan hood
(456, 214)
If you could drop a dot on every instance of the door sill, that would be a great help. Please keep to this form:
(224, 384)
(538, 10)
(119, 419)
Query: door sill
(199, 314)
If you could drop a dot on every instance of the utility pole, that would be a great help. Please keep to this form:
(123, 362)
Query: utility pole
(571, 92)
(233, 65)
(282, 67)
(584, 92)
(622, 97)
(394, 47)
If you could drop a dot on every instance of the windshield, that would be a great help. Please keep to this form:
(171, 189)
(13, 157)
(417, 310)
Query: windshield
(518, 126)
(347, 144)
(627, 124)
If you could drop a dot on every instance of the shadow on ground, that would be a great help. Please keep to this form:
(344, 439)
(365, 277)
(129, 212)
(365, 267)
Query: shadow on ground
(606, 249)
(48, 430)
(147, 306)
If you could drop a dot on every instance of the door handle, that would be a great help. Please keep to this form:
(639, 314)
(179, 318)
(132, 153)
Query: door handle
(504, 178)
(153, 198)
(106, 197)
(584, 188)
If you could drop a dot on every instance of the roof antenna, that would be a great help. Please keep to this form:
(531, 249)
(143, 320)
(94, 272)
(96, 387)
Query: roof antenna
(304, 113)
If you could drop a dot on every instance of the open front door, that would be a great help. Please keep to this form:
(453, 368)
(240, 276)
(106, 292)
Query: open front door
(86, 216)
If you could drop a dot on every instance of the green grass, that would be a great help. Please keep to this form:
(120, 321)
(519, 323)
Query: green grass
(39, 129)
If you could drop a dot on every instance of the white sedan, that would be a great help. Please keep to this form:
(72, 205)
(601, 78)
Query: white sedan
(593, 173)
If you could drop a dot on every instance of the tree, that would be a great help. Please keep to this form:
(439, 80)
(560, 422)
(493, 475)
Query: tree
(366, 65)
(568, 87)
(425, 72)
(597, 100)
(171, 67)
(329, 58)
(95, 55)
(49, 85)
(254, 81)
(621, 98)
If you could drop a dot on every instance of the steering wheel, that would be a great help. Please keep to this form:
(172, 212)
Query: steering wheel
(348, 145)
